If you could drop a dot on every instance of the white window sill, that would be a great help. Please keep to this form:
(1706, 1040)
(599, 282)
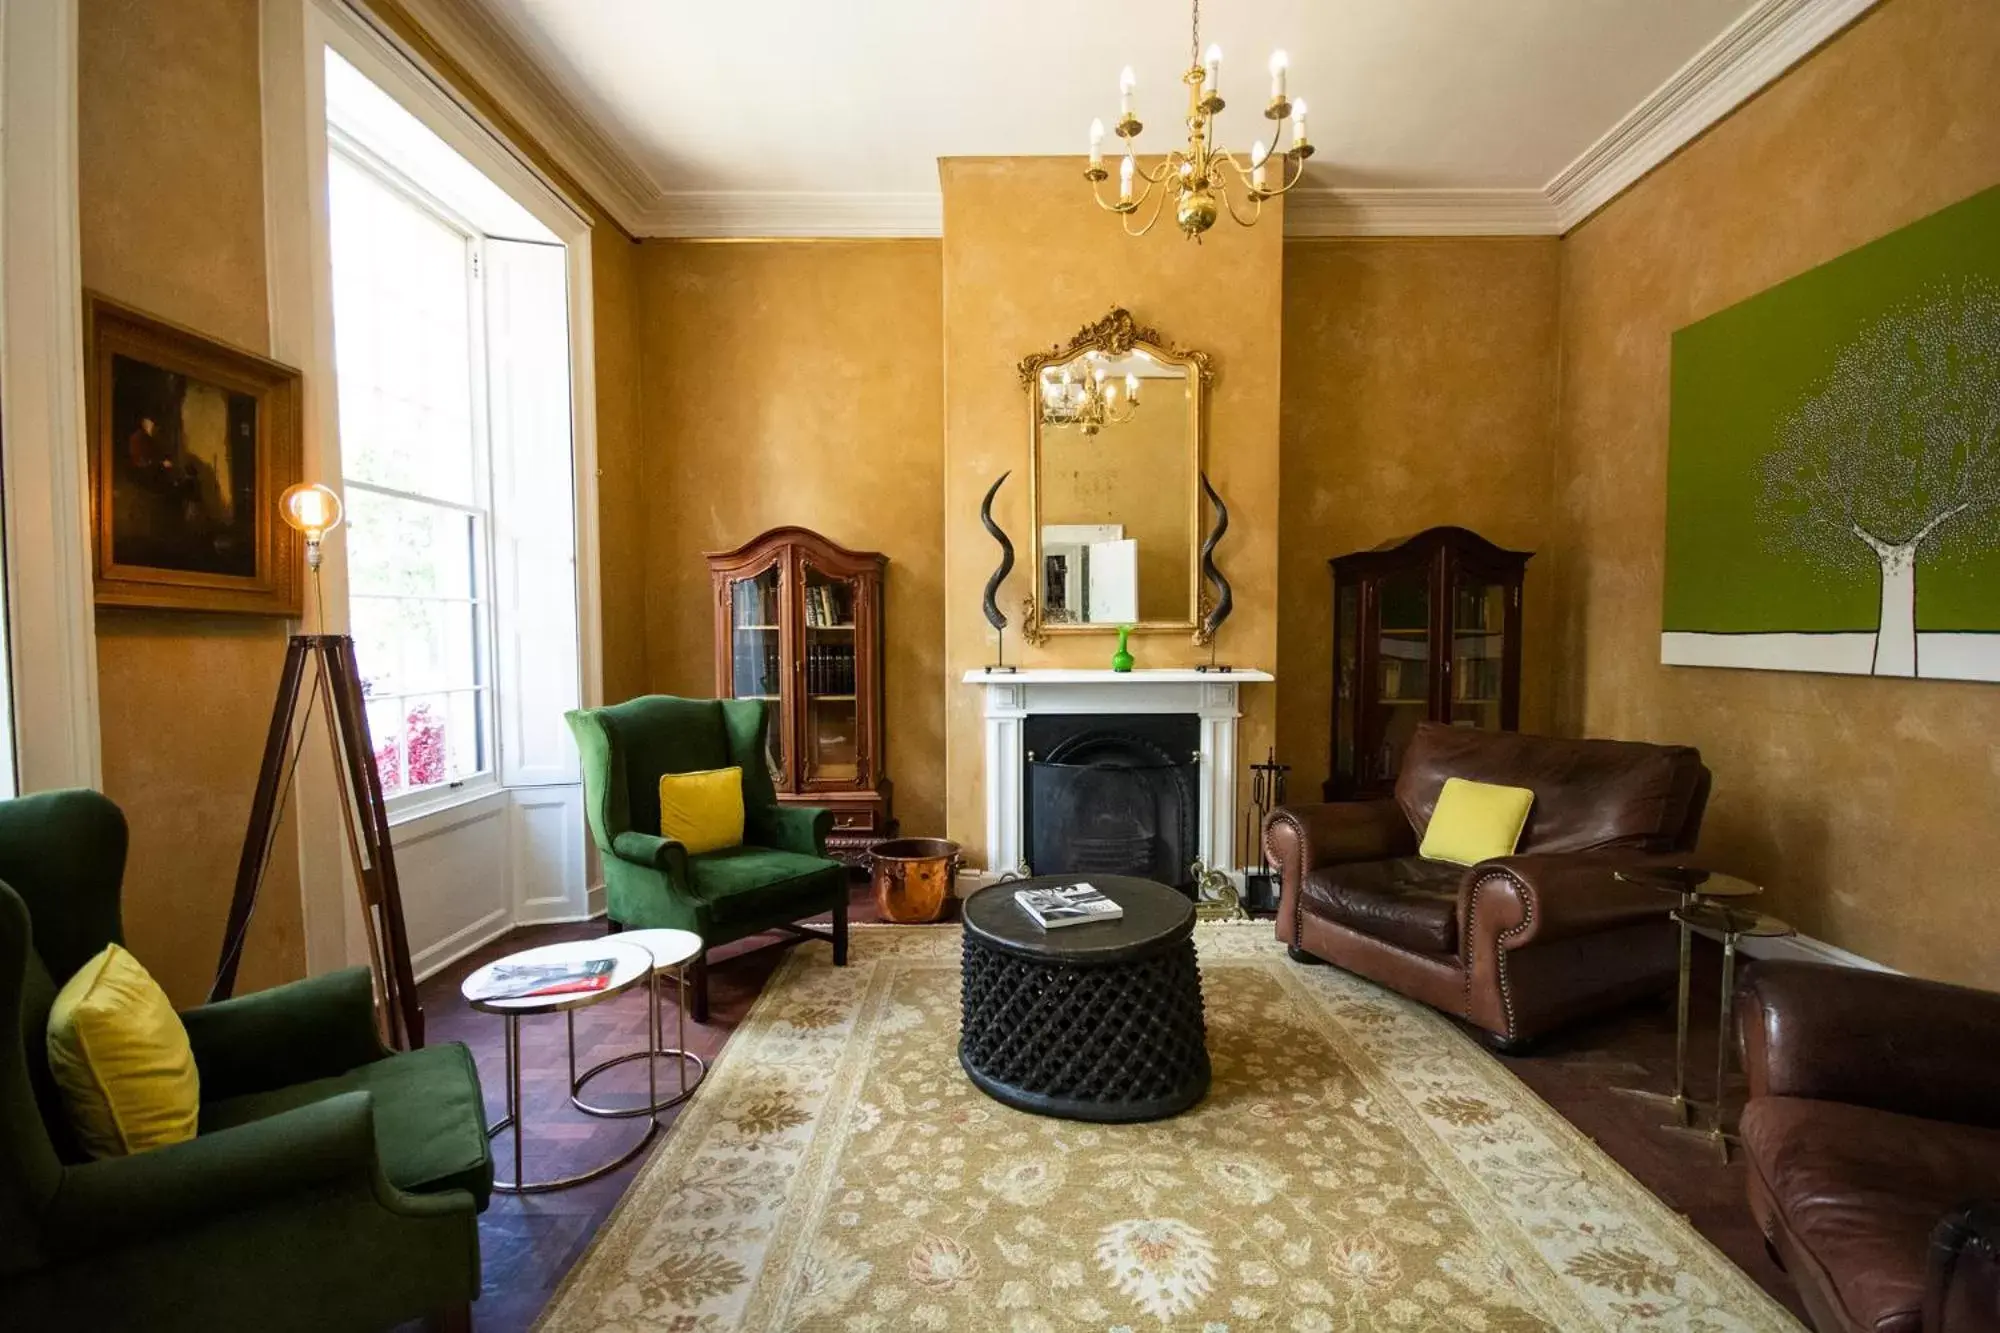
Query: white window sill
(431, 812)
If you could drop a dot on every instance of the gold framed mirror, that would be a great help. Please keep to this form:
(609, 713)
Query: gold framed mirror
(1114, 482)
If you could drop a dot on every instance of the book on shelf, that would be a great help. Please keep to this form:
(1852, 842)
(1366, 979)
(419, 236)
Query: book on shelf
(1067, 905)
(522, 981)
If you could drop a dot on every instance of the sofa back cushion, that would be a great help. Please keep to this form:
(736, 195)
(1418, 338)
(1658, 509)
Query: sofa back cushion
(1589, 794)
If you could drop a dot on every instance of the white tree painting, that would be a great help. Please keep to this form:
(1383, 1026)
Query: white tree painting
(1894, 458)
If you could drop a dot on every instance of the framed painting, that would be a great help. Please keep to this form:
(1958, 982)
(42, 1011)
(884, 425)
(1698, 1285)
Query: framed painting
(191, 443)
(1833, 473)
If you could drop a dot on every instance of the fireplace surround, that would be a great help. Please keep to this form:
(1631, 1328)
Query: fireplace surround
(1112, 794)
(1011, 700)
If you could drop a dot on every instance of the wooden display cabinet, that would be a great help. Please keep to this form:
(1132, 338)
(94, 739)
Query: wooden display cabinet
(798, 623)
(1424, 629)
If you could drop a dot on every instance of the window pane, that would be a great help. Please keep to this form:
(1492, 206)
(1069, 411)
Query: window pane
(385, 734)
(402, 340)
(406, 548)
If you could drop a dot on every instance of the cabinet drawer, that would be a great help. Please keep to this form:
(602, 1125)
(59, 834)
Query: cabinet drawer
(851, 820)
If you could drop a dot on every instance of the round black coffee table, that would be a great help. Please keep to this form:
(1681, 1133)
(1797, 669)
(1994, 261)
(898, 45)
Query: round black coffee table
(1094, 1022)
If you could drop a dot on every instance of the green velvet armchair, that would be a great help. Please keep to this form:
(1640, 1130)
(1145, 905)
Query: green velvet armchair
(332, 1185)
(778, 877)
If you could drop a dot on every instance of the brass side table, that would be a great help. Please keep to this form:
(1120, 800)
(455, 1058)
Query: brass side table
(1693, 885)
(633, 966)
(1734, 925)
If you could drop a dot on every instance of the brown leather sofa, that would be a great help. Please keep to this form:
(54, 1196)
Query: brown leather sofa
(1873, 1138)
(1517, 945)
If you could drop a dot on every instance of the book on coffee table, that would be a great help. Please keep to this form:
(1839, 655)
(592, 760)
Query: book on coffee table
(521, 981)
(1067, 905)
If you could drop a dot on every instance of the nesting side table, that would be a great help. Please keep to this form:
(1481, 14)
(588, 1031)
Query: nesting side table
(671, 951)
(632, 966)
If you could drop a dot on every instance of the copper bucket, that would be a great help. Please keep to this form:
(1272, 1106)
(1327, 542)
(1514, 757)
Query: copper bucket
(913, 877)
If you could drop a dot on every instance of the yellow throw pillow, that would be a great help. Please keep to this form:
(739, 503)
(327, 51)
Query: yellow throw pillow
(121, 1058)
(703, 810)
(1475, 821)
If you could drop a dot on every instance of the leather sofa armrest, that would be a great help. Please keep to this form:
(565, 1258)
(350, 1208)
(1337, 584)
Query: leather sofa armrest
(1877, 1039)
(1301, 838)
(1962, 1287)
(1513, 901)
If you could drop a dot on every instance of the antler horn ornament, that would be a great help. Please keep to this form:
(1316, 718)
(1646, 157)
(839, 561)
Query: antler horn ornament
(1225, 600)
(994, 616)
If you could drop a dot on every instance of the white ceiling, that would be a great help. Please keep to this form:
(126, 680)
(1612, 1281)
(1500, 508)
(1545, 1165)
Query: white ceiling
(859, 99)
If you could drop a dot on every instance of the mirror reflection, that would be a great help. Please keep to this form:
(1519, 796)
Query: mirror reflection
(1116, 484)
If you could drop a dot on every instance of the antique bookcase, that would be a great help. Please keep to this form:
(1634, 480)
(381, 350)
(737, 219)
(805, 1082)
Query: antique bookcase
(1426, 628)
(798, 623)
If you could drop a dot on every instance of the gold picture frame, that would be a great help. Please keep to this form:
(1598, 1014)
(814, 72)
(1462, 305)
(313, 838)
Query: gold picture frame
(1116, 335)
(192, 441)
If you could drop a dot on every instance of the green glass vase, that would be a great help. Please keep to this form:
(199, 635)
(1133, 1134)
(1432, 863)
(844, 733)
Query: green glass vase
(1122, 659)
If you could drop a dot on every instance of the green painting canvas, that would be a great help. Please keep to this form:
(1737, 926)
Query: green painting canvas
(1833, 477)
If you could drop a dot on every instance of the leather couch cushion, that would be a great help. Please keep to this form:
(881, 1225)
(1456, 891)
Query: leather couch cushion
(1408, 902)
(1861, 1189)
(1588, 794)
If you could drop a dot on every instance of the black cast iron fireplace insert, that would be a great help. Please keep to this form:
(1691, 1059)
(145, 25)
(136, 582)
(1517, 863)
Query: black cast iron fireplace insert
(1112, 794)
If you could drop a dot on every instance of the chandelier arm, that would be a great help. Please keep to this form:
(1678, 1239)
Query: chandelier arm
(1256, 208)
(1159, 206)
(1299, 174)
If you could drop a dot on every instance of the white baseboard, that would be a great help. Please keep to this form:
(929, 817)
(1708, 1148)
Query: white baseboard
(439, 956)
(1805, 949)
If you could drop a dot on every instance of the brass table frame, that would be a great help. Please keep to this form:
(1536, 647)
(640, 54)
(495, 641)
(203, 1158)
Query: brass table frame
(1734, 925)
(1688, 883)
(567, 1005)
(681, 1056)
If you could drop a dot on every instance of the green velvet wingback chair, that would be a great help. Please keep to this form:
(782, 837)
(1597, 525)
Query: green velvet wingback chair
(778, 877)
(332, 1185)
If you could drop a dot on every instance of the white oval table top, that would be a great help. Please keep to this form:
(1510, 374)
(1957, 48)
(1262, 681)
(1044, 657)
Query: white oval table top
(669, 948)
(633, 965)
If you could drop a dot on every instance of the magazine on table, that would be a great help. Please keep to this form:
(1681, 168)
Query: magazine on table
(521, 981)
(1067, 905)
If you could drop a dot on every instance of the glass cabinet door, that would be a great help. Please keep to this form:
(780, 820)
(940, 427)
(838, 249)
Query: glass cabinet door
(1477, 670)
(1346, 669)
(1402, 665)
(830, 742)
(756, 669)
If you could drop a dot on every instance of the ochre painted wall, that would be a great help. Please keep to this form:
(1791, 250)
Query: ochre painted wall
(1865, 805)
(172, 205)
(789, 382)
(1029, 259)
(1419, 389)
(172, 221)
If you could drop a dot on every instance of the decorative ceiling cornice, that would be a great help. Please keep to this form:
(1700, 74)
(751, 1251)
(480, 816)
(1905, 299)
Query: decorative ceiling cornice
(492, 51)
(1768, 40)
(1419, 213)
(1755, 50)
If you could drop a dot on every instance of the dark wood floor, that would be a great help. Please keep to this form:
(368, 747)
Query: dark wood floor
(529, 1242)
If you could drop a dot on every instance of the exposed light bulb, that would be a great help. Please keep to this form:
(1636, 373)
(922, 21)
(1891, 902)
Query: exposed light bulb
(1213, 70)
(1279, 62)
(1125, 180)
(1096, 143)
(1299, 123)
(1259, 155)
(1127, 83)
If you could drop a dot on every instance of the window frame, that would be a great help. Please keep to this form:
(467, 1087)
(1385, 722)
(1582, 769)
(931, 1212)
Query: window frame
(413, 803)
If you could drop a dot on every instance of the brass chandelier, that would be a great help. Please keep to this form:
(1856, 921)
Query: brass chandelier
(1088, 401)
(1199, 176)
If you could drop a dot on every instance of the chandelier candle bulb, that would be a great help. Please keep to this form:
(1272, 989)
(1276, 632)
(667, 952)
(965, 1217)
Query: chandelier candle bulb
(1124, 181)
(1097, 143)
(1299, 123)
(1278, 63)
(1259, 155)
(1132, 390)
(1212, 70)
(1127, 81)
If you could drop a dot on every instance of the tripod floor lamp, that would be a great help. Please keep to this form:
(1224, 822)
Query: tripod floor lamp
(320, 671)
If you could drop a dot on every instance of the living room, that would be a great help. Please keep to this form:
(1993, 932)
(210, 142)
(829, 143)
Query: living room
(788, 328)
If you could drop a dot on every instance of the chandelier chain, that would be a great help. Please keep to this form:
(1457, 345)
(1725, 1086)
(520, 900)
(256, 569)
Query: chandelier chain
(1194, 39)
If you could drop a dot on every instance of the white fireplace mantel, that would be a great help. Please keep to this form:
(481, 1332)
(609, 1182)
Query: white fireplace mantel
(1010, 697)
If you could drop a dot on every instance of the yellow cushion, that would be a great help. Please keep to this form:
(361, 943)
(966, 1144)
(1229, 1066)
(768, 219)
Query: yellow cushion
(703, 810)
(121, 1058)
(1475, 821)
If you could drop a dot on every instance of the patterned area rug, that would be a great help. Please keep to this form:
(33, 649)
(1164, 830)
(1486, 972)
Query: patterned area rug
(1358, 1164)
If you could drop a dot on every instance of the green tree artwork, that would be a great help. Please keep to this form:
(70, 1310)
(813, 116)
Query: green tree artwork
(1833, 489)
